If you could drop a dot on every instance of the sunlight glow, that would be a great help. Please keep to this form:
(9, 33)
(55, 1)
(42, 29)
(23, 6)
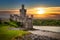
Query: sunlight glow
(40, 11)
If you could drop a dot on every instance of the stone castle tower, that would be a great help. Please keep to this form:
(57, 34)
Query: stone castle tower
(22, 12)
(24, 18)
(27, 22)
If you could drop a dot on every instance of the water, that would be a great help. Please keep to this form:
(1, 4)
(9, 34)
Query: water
(50, 31)
(49, 28)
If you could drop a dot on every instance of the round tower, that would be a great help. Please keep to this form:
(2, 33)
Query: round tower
(22, 11)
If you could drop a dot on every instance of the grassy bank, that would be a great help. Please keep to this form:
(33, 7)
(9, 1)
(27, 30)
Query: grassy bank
(7, 34)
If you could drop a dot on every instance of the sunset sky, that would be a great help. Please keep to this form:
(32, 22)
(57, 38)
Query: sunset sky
(39, 8)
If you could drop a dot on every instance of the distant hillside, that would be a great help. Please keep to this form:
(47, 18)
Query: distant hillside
(48, 22)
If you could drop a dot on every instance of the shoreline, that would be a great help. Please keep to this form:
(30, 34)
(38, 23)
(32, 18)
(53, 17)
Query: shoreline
(48, 28)
(46, 31)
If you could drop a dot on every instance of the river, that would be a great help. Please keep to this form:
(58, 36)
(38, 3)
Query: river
(49, 28)
(50, 31)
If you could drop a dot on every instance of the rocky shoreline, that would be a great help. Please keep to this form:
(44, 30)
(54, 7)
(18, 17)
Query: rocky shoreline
(39, 37)
(35, 37)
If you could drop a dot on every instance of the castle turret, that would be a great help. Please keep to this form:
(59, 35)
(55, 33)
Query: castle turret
(22, 11)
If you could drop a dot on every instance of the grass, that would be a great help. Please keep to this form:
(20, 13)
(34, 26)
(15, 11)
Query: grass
(10, 23)
(6, 34)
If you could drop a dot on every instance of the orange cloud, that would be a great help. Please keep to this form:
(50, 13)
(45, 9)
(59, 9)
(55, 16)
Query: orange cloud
(47, 9)
(50, 12)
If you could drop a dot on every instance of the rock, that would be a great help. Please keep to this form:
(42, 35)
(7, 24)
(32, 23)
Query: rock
(34, 37)
(38, 37)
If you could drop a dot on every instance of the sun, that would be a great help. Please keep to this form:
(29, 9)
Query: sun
(40, 11)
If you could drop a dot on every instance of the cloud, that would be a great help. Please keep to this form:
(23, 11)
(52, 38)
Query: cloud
(48, 10)
(6, 13)
(51, 12)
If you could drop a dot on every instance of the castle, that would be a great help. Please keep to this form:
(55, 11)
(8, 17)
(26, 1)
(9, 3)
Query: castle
(23, 18)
